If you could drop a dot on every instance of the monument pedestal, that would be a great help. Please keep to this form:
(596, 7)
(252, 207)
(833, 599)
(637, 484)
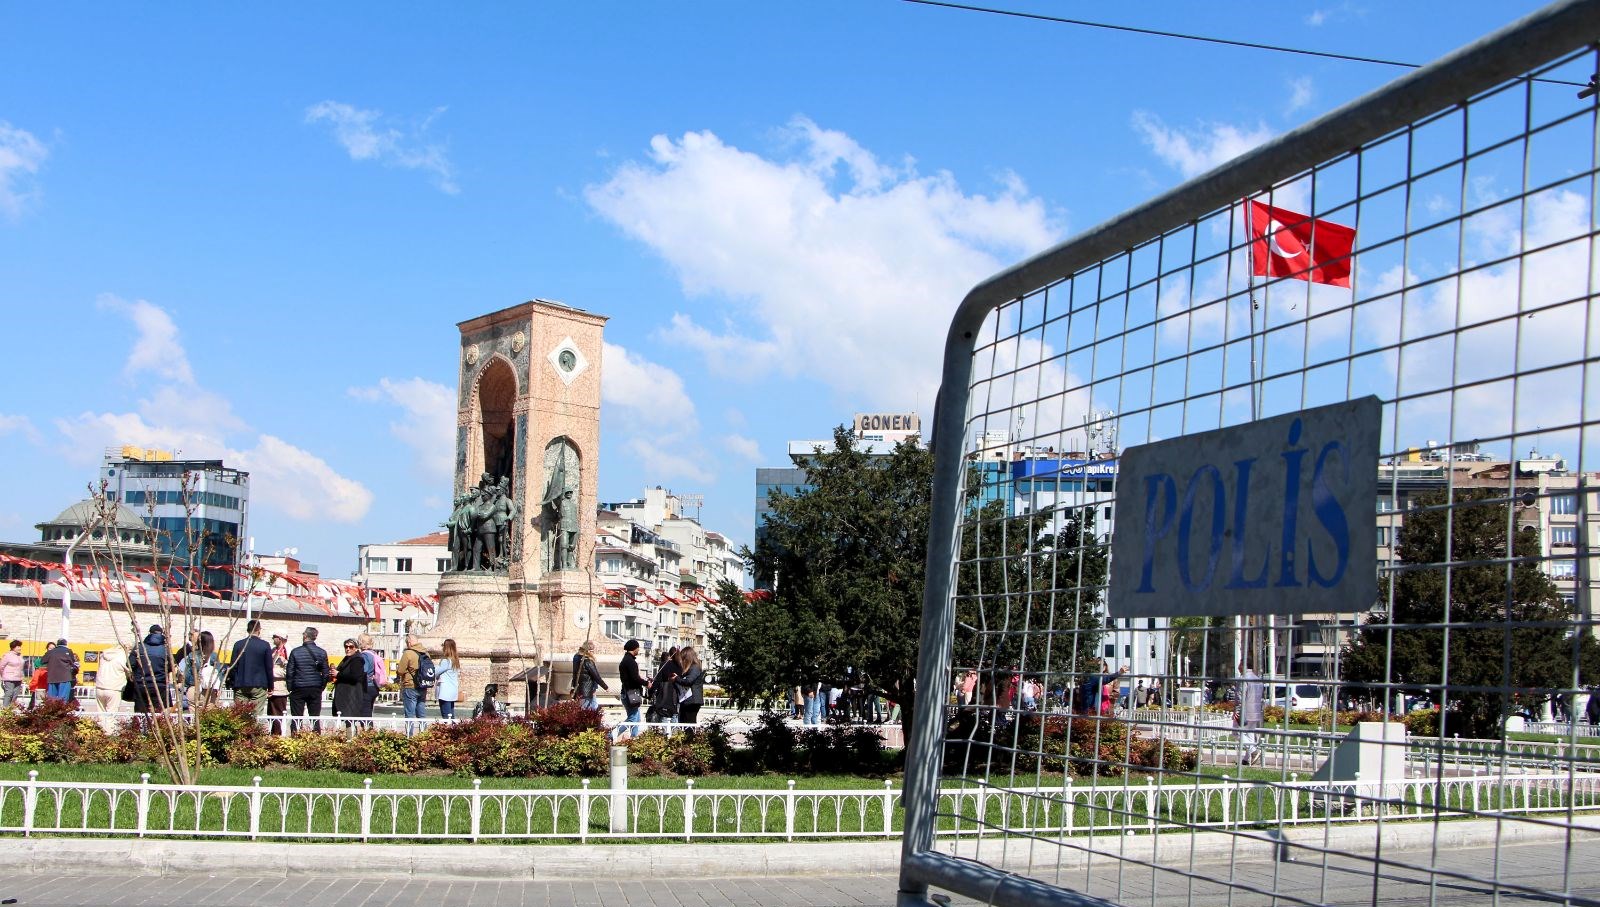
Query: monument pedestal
(570, 614)
(494, 635)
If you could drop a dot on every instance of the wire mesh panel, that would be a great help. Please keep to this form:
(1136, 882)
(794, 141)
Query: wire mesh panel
(1431, 246)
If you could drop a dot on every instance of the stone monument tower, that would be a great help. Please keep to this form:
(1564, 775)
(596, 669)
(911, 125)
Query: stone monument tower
(522, 593)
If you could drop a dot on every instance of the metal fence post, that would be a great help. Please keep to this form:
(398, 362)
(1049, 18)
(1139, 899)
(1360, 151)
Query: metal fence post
(788, 811)
(688, 809)
(366, 808)
(888, 808)
(583, 812)
(143, 802)
(30, 802)
(476, 807)
(255, 807)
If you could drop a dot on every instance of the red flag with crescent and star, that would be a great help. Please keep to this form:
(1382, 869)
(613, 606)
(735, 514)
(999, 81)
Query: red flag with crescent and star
(1286, 244)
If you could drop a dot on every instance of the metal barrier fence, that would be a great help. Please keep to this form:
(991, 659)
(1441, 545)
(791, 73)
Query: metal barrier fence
(1431, 246)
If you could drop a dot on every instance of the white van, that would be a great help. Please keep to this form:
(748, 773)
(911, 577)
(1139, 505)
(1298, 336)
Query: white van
(1302, 697)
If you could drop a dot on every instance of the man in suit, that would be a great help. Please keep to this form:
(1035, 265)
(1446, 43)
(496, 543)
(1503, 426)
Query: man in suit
(250, 668)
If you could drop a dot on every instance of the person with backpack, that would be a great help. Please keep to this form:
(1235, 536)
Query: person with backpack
(417, 677)
(377, 672)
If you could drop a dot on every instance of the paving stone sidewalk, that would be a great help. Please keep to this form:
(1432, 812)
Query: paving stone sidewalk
(1346, 881)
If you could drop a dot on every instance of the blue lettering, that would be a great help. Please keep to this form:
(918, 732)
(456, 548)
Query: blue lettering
(1153, 532)
(1330, 515)
(1291, 508)
(1219, 501)
(1241, 510)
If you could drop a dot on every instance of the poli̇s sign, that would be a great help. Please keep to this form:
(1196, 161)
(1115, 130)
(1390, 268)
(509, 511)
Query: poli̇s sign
(1272, 517)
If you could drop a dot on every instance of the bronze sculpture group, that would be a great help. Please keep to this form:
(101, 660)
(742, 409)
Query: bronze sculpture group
(482, 522)
(480, 526)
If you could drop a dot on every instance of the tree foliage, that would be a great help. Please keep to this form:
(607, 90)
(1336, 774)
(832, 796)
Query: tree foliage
(1495, 656)
(1029, 591)
(844, 561)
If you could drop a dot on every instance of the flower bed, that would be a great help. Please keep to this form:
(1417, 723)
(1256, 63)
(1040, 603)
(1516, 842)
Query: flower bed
(563, 740)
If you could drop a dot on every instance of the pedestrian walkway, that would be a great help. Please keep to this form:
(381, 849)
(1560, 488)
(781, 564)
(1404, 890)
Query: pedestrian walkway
(1347, 881)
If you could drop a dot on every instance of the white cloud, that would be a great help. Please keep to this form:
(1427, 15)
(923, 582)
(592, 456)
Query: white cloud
(179, 415)
(300, 483)
(1195, 151)
(846, 270)
(656, 460)
(649, 394)
(1316, 18)
(729, 354)
(20, 156)
(156, 348)
(21, 425)
(428, 426)
(1300, 93)
(742, 447)
(366, 136)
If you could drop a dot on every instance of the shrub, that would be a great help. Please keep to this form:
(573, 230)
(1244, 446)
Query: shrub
(584, 753)
(1164, 755)
(1423, 723)
(564, 719)
(220, 729)
(312, 751)
(772, 743)
(651, 752)
(385, 752)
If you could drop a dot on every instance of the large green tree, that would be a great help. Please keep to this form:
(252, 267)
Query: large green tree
(1508, 634)
(1029, 592)
(844, 562)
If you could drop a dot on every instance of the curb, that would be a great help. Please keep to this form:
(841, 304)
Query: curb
(570, 862)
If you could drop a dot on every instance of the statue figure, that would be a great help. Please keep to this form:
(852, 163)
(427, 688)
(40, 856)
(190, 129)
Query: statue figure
(502, 515)
(460, 528)
(559, 509)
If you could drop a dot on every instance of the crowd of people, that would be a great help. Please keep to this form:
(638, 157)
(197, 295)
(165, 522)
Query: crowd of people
(675, 690)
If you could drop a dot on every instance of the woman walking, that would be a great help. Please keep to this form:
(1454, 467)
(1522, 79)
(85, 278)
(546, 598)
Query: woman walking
(691, 686)
(447, 674)
(633, 685)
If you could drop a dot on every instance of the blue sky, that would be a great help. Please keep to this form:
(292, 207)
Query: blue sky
(250, 234)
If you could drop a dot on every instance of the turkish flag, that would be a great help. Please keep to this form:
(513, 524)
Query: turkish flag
(1286, 244)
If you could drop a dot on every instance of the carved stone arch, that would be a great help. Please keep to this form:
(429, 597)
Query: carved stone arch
(491, 426)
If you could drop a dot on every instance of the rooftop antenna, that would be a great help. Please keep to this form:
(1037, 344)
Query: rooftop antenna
(695, 500)
(1100, 432)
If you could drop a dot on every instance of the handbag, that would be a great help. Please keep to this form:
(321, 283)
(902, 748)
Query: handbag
(632, 699)
(128, 692)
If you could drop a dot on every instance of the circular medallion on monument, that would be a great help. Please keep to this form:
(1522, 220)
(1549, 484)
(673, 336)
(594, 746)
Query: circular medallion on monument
(518, 341)
(568, 360)
(472, 354)
(580, 619)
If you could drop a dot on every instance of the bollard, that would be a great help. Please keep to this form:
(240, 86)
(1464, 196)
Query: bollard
(619, 789)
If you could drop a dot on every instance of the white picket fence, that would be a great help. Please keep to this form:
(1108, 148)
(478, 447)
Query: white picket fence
(35, 807)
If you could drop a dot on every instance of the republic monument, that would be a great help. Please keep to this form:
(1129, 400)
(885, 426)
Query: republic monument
(521, 592)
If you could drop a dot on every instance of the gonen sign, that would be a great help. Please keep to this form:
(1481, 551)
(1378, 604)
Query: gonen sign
(1272, 517)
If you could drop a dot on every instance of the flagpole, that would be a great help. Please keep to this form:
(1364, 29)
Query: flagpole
(1250, 291)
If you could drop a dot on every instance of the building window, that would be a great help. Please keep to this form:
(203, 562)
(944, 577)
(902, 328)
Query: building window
(1564, 536)
(1152, 623)
(441, 565)
(1127, 650)
(1383, 536)
(402, 565)
(1111, 650)
(1564, 504)
(1562, 569)
(377, 565)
